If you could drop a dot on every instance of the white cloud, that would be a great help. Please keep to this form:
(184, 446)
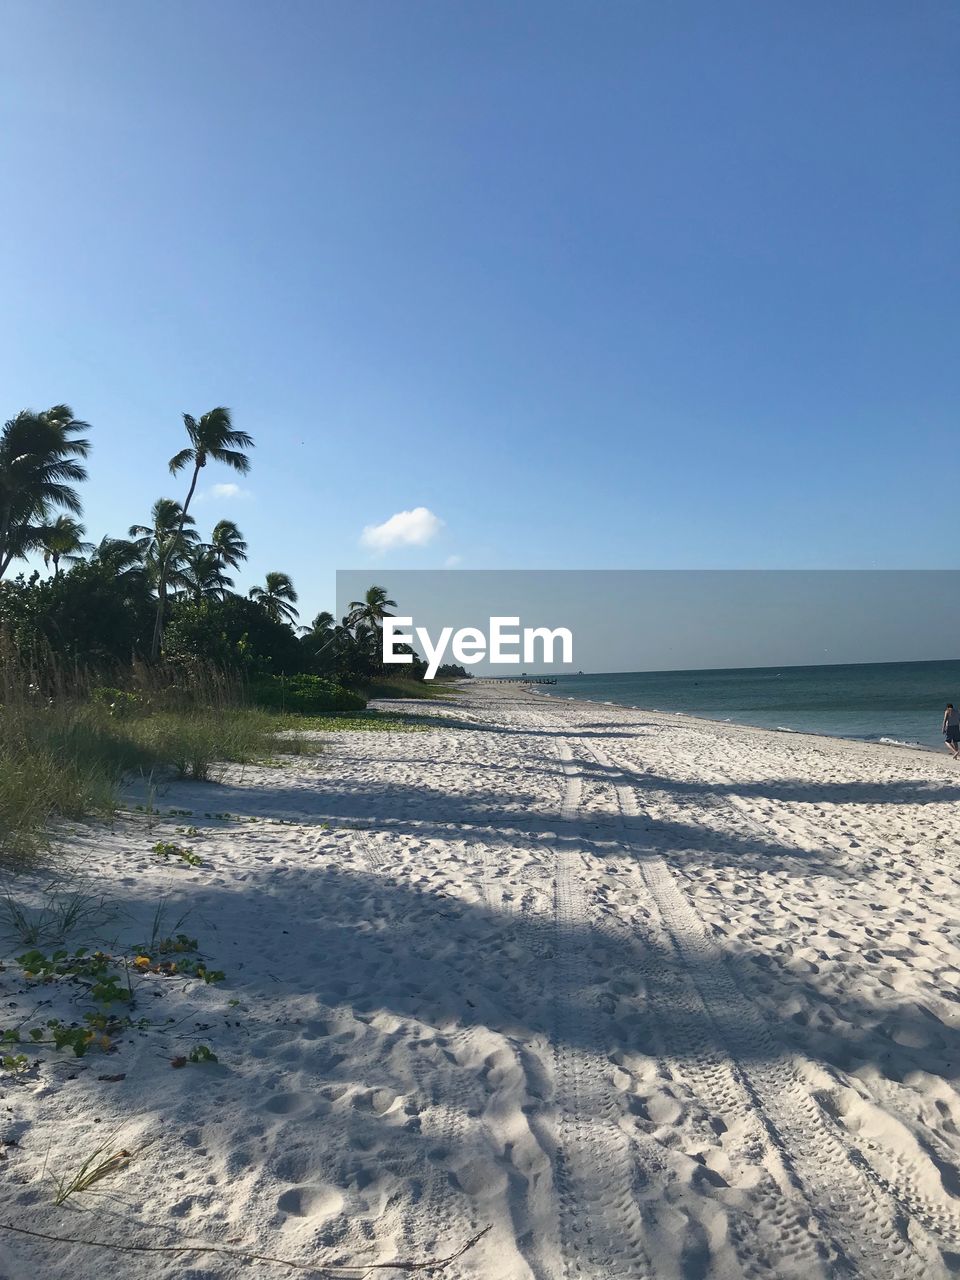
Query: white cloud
(451, 562)
(404, 529)
(229, 490)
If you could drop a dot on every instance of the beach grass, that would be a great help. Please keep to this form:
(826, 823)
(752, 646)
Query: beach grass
(382, 687)
(66, 760)
(65, 751)
(192, 742)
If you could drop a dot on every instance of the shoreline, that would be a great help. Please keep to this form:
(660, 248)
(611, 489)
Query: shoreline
(739, 724)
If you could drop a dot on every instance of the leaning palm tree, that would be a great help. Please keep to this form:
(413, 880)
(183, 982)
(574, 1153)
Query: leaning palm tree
(211, 437)
(62, 539)
(202, 576)
(39, 464)
(277, 598)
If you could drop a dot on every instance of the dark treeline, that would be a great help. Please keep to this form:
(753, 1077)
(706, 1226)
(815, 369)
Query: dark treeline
(162, 590)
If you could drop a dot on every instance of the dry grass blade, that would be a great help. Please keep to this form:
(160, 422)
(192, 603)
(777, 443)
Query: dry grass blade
(96, 1167)
(62, 912)
(429, 1264)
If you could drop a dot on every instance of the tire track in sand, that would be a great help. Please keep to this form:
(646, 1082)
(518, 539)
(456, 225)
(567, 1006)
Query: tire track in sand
(893, 1172)
(774, 1237)
(601, 1228)
(868, 1225)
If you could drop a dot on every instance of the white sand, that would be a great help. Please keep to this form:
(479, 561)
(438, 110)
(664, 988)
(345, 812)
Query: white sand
(648, 996)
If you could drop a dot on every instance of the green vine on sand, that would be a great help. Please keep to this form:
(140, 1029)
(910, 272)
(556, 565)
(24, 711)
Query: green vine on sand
(109, 981)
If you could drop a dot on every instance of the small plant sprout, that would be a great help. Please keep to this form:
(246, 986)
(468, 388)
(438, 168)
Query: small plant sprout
(166, 850)
(175, 958)
(177, 945)
(199, 1054)
(62, 913)
(95, 1168)
(158, 926)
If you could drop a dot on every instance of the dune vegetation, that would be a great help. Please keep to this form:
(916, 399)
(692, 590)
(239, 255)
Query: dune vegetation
(135, 656)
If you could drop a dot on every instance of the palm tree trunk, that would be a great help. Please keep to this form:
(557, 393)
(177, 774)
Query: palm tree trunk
(5, 559)
(220, 568)
(164, 569)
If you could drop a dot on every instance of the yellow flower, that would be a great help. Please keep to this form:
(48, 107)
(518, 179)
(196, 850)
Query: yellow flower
(142, 962)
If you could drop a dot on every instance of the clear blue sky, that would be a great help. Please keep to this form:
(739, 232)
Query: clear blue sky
(601, 285)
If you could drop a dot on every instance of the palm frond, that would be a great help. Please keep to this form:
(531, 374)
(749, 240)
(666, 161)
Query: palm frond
(61, 495)
(181, 460)
(231, 458)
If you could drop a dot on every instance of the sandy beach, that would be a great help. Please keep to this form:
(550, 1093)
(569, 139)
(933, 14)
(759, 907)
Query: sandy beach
(631, 994)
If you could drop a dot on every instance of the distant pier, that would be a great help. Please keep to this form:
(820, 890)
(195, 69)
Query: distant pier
(517, 679)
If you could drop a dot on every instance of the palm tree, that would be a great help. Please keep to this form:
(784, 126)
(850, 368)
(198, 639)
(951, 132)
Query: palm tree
(323, 623)
(63, 540)
(122, 557)
(211, 437)
(277, 598)
(165, 542)
(366, 617)
(372, 609)
(38, 467)
(228, 545)
(318, 637)
(202, 576)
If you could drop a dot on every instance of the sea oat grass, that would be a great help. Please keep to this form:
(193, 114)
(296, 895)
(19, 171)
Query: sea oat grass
(67, 760)
(192, 743)
(56, 762)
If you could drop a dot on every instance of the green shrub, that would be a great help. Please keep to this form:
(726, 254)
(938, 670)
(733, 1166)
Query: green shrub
(234, 634)
(307, 695)
(117, 702)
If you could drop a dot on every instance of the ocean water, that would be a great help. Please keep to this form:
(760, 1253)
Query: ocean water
(899, 702)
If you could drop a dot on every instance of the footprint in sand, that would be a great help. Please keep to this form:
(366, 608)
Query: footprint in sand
(315, 1030)
(315, 1201)
(379, 1101)
(189, 1206)
(287, 1104)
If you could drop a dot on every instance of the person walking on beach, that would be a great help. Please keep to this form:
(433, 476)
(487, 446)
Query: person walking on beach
(951, 730)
